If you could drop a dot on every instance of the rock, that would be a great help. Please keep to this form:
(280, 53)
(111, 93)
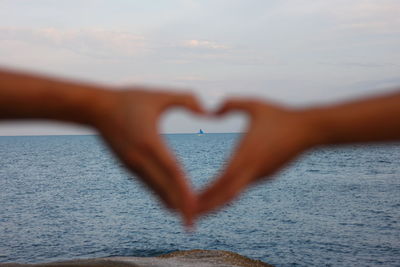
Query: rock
(193, 258)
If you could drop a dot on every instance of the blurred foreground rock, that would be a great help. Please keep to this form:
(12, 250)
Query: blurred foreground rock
(194, 258)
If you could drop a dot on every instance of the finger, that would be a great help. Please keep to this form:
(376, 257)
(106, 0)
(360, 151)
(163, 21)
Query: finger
(182, 195)
(233, 180)
(186, 100)
(241, 170)
(146, 170)
(222, 192)
(156, 178)
(245, 154)
(251, 106)
(236, 104)
(239, 175)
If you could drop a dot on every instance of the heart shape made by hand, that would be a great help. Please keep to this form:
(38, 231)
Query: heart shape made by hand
(129, 125)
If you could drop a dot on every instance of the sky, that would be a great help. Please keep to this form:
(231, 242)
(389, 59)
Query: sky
(296, 52)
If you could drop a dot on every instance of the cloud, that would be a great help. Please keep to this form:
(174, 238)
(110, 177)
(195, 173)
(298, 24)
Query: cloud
(90, 42)
(203, 44)
(362, 64)
(112, 44)
(369, 16)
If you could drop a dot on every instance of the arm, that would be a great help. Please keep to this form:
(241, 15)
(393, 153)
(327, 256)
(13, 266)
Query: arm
(276, 135)
(368, 120)
(24, 96)
(126, 119)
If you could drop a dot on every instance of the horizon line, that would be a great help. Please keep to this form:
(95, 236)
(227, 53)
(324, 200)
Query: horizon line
(31, 135)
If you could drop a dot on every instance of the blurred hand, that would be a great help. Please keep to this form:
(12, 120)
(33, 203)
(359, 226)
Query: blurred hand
(127, 120)
(275, 136)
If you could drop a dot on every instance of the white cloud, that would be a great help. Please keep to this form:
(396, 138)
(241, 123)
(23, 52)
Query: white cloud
(204, 44)
(370, 15)
(92, 42)
(113, 44)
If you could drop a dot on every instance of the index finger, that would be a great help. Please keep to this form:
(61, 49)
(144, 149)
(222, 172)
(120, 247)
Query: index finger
(178, 187)
(186, 100)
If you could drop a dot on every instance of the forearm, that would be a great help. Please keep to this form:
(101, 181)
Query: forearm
(24, 96)
(369, 120)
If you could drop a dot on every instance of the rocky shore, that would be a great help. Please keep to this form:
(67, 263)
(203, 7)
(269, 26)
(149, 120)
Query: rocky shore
(193, 258)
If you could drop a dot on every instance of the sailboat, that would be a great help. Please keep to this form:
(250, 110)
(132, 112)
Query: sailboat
(200, 133)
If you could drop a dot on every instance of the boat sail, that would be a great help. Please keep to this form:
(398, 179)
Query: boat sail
(200, 133)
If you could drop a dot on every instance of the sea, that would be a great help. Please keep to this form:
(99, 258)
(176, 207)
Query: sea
(67, 197)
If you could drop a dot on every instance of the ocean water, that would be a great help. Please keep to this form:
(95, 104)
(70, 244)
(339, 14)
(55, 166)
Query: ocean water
(64, 197)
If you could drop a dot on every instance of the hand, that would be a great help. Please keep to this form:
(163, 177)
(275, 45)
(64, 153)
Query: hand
(127, 120)
(275, 136)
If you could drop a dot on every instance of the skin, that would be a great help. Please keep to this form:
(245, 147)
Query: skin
(125, 119)
(277, 134)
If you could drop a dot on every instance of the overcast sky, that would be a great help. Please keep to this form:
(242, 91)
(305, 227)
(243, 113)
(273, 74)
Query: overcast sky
(295, 52)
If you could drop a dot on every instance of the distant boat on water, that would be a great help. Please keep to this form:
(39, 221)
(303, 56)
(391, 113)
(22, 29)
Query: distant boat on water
(200, 133)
